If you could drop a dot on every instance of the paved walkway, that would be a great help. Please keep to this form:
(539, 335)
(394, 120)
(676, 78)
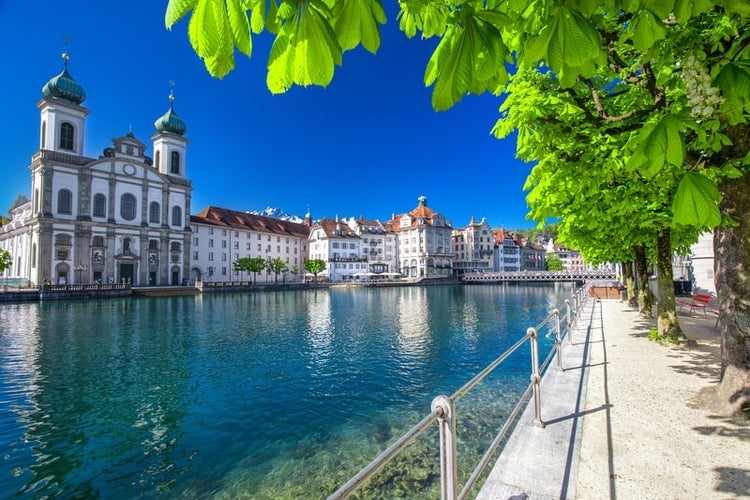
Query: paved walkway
(624, 419)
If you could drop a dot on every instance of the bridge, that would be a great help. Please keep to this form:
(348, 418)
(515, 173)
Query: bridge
(526, 276)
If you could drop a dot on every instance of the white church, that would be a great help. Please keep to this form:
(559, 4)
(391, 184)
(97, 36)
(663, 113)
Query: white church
(121, 217)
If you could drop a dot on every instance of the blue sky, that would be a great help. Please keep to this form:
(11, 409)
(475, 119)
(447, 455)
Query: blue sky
(368, 144)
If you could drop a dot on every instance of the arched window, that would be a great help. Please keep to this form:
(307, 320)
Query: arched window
(176, 216)
(100, 205)
(174, 163)
(157, 159)
(127, 206)
(65, 202)
(67, 136)
(153, 212)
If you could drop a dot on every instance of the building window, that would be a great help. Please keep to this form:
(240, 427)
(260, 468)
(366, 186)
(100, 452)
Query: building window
(127, 206)
(157, 159)
(65, 201)
(126, 245)
(67, 135)
(97, 241)
(211, 243)
(33, 255)
(44, 135)
(153, 212)
(100, 205)
(176, 216)
(195, 255)
(153, 244)
(174, 162)
(174, 246)
(210, 256)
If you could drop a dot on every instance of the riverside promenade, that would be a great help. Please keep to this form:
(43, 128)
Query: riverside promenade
(625, 419)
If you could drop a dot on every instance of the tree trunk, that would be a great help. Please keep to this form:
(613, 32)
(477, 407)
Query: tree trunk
(732, 265)
(645, 305)
(667, 323)
(628, 279)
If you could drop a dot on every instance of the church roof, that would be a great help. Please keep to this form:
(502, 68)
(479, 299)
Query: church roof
(170, 122)
(63, 86)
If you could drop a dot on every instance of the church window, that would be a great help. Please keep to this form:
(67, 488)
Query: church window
(153, 212)
(100, 205)
(127, 206)
(174, 246)
(65, 201)
(174, 162)
(153, 244)
(44, 135)
(157, 159)
(67, 134)
(176, 216)
(97, 241)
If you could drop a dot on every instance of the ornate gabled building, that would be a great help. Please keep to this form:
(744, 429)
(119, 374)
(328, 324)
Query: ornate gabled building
(121, 217)
(473, 248)
(424, 242)
(221, 236)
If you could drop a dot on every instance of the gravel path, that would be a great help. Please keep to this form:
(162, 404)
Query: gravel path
(646, 431)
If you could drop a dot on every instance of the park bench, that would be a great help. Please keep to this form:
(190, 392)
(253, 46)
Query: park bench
(696, 301)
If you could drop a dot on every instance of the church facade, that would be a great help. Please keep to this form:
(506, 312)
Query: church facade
(120, 217)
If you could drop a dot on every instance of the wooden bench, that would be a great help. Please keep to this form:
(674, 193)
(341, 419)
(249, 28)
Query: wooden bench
(696, 301)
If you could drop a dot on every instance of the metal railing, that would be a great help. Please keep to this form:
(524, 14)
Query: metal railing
(443, 408)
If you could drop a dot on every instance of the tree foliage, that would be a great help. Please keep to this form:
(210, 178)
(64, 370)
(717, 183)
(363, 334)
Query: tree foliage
(277, 266)
(17, 202)
(5, 260)
(315, 266)
(250, 264)
(554, 263)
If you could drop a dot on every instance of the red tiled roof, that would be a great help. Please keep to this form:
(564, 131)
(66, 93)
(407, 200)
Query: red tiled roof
(223, 217)
(329, 226)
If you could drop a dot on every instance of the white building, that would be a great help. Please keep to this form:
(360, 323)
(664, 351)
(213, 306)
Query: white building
(507, 252)
(340, 247)
(378, 245)
(221, 236)
(119, 217)
(473, 248)
(15, 237)
(425, 249)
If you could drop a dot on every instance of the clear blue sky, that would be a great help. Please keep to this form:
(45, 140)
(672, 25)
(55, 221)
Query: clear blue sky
(368, 144)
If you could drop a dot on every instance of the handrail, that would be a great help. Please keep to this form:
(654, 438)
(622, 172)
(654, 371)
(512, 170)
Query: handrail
(443, 410)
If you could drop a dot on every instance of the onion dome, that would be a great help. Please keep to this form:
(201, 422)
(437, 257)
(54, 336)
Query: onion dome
(63, 86)
(169, 121)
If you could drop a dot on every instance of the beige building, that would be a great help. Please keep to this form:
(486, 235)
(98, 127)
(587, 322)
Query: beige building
(473, 248)
(425, 248)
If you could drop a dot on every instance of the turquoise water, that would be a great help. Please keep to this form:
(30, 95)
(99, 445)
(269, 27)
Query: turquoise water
(264, 395)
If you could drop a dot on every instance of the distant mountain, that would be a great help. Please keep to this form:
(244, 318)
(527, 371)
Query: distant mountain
(277, 213)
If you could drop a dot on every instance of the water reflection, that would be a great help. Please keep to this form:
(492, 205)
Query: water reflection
(264, 394)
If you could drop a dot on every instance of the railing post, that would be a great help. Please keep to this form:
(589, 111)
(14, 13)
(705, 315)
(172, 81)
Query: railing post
(558, 340)
(535, 377)
(448, 462)
(567, 321)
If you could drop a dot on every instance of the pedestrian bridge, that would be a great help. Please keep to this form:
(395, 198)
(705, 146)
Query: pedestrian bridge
(507, 276)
